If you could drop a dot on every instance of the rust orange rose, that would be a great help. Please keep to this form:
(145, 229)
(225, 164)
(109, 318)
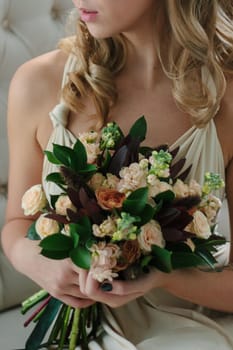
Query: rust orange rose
(108, 198)
(130, 252)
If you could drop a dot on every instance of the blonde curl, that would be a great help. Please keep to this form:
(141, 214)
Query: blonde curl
(199, 35)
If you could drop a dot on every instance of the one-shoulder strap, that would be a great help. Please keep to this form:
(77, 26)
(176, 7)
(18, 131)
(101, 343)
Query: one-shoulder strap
(59, 114)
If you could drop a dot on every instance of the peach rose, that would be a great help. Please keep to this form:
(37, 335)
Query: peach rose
(199, 225)
(46, 226)
(109, 198)
(62, 204)
(149, 235)
(33, 200)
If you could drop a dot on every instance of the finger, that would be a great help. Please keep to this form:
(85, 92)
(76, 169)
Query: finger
(82, 280)
(74, 290)
(76, 302)
(139, 286)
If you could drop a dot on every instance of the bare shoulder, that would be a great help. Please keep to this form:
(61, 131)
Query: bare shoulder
(224, 122)
(37, 80)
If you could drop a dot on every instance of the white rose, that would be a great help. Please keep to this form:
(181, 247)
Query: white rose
(62, 204)
(46, 226)
(199, 225)
(33, 200)
(149, 235)
(181, 189)
(195, 188)
(156, 186)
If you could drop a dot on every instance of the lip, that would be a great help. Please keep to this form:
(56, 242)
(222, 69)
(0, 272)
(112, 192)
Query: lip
(88, 15)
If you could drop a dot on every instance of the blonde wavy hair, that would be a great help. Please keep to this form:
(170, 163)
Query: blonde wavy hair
(199, 35)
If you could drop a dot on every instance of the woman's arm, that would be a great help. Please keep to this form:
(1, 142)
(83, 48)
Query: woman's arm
(31, 97)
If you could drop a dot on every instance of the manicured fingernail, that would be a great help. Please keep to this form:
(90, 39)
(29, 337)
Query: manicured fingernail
(106, 287)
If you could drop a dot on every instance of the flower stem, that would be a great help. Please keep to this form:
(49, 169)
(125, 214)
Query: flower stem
(57, 325)
(64, 328)
(74, 330)
(35, 313)
(33, 300)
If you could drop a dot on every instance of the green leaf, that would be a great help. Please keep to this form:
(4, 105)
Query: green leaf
(51, 158)
(53, 199)
(32, 234)
(139, 129)
(136, 201)
(56, 255)
(183, 260)
(74, 234)
(147, 214)
(56, 178)
(80, 155)
(146, 260)
(57, 242)
(207, 257)
(36, 337)
(81, 257)
(63, 154)
(166, 196)
(83, 228)
(161, 258)
(88, 168)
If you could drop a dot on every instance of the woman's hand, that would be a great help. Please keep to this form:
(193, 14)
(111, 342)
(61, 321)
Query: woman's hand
(61, 280)
(118, 293)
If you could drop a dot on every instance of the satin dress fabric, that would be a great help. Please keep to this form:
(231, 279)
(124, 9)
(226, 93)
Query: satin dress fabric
(158, 320)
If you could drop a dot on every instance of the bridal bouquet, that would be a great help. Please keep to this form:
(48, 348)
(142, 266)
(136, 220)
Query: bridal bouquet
(121, 209)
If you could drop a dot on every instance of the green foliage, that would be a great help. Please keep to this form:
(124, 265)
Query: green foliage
(136, 201)
(139, 129)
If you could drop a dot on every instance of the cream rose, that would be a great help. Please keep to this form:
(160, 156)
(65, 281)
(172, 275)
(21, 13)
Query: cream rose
(149, 235)
(62, 204)
(156, 186)
(33, 200)
(180, 189)
(46, 226)
(199, 225)
(195, 188)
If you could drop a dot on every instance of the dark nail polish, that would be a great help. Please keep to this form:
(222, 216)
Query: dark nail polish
(106, 287)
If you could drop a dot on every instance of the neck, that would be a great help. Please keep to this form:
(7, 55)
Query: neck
(142, 61)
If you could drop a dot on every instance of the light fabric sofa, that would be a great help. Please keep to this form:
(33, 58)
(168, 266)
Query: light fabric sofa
(27, 28)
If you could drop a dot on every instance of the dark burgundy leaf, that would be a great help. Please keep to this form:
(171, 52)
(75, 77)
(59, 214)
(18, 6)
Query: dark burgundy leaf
(174, 152)
(125, 155)
(172, 234)
(74, 197)
(185, 173)
(181, 220)
(90, 205)
(59, 218)
(167, 215)
(177, 167)
(75, 216)
(187, 203)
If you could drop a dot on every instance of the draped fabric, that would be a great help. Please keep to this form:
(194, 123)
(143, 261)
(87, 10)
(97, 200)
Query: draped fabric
(157, 320)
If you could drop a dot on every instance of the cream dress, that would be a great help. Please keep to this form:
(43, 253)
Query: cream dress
(159, 320)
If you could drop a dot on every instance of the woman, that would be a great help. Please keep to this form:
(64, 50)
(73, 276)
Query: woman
(173, 62)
